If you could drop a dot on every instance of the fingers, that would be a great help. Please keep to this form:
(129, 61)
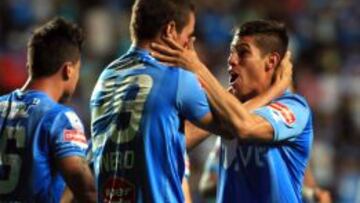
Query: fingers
(164, 49)
(288, 55)
(171, 43)
(286, 65)
(287, 59)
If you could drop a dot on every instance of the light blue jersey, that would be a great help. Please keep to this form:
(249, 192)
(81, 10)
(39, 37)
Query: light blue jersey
(271, 172)
(138, 147)
(35, 131)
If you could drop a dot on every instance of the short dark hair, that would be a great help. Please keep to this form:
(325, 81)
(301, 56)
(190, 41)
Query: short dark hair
(270, 36)
(150, 16)
(53, 44)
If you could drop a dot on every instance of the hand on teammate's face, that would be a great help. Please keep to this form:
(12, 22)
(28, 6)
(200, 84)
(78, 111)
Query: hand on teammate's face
(175, 55)
(285, 70)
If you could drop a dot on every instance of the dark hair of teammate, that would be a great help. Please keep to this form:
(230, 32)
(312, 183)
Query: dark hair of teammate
(51, 45)
(149, 17)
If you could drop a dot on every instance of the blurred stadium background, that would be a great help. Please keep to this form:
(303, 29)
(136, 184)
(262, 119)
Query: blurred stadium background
(325, 40)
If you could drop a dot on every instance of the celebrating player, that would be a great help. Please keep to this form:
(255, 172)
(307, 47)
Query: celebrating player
(267, 161)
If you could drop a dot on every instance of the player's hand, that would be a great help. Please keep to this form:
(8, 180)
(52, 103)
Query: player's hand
(322, 196)
(175, 55)
(283, 75)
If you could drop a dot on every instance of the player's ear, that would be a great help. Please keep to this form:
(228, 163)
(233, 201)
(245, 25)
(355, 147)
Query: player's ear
(67, 70)
(272, 61)
(170, 30)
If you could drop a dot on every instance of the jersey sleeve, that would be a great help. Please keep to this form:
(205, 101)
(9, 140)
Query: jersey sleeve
(288, 117)
(191, 98)
(67, 137)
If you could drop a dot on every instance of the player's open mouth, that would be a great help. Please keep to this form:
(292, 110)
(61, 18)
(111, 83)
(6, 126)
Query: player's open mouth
(233, 77)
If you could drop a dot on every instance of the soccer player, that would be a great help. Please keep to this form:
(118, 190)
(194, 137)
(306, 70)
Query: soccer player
(138, 108)
(266, 161)
(42, 142)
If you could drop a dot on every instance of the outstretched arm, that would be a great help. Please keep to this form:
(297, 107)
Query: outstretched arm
(195, 135)
(233, 114)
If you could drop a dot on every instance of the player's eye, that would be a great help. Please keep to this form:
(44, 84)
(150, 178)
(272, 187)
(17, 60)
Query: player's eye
(242, 52)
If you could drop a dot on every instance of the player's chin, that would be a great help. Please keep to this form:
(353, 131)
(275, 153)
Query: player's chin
(234, 91)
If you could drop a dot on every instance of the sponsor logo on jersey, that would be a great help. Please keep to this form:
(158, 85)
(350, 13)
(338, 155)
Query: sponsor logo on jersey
(119, 190)
(76, 137)
(282, 111)
(236, 155)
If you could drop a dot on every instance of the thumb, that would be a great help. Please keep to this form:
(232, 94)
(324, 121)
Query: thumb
(288, 55)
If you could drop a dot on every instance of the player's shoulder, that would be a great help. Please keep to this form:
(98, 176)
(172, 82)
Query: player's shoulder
(37, 101)
(61, 109)
(60, 113)
(186, 75)
(292, 98)
(4, 97)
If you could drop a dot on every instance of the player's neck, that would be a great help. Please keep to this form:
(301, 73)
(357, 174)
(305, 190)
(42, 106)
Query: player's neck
(47, 85)
(146, 44)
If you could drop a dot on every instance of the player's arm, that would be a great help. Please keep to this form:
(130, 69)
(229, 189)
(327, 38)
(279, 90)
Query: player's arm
(283, 77)
(67, 196)
(68, 146)
(186, 190)
(237, 121)
(194, 135)
(78, 177)
(312, 191)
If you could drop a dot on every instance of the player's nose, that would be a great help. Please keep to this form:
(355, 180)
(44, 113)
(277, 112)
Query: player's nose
(232, 59)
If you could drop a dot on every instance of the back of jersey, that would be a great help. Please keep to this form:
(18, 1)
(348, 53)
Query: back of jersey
(36, 132)
(137, 140)
(17, 123)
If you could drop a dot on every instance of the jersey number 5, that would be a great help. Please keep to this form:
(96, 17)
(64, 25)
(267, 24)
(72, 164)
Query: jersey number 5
(10, 159)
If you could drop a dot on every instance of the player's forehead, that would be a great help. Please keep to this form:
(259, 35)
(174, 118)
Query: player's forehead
(247, 43)
(243, 41)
